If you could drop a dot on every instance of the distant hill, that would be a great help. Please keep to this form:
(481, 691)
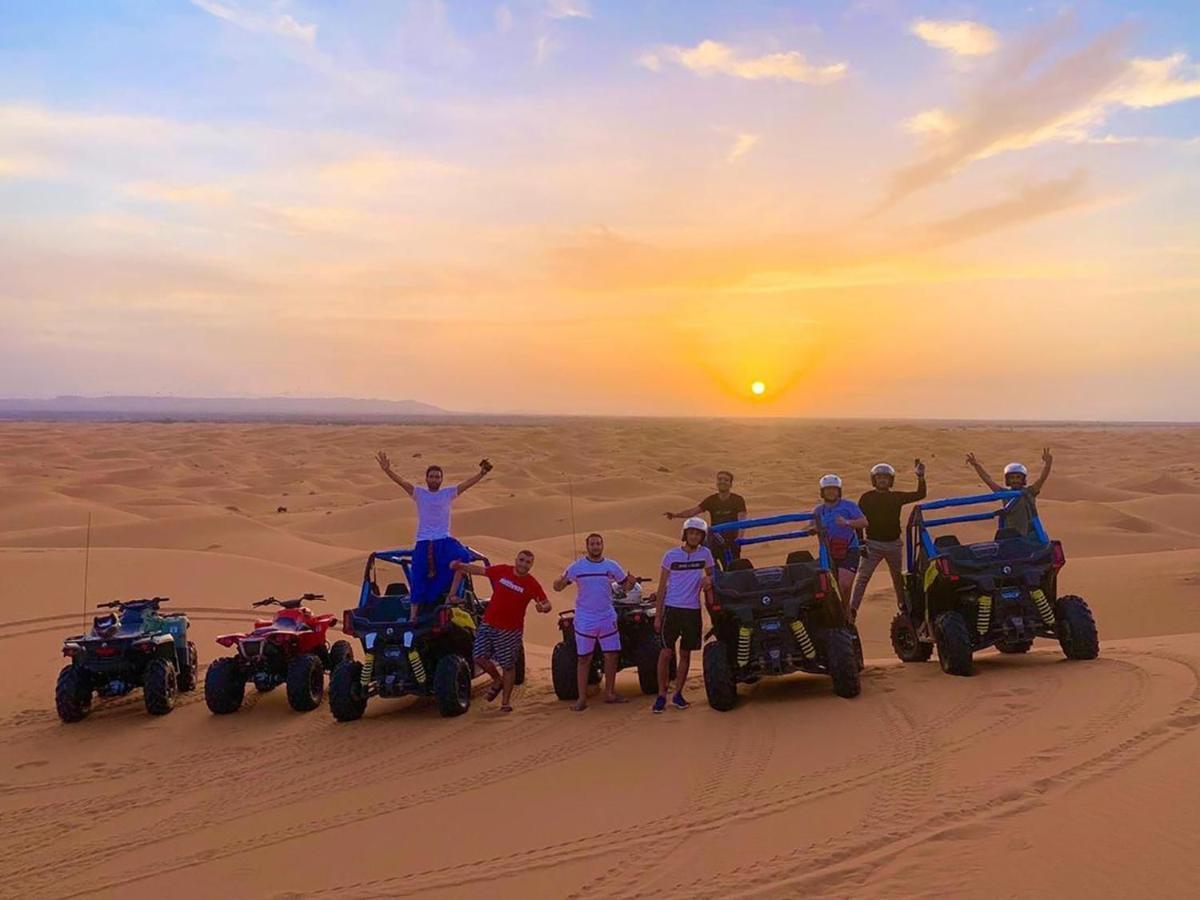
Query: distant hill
(167, 407)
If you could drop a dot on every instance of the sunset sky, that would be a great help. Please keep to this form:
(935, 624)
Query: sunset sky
(981, 210)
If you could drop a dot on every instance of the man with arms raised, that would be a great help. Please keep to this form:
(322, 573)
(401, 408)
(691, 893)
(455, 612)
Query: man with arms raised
(595, 617)
(1016, 478)
(686, 574)
(722, 507)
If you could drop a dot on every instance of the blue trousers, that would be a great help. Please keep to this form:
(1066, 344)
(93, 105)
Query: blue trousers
(431, 572)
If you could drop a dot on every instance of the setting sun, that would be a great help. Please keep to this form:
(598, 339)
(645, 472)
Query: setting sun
(758, 388)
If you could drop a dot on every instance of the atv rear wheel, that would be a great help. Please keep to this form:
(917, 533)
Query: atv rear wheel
(905, 644)
(519, 666)
(452, 685)
(842, 660)
(159, 686)
(719, 683)
(347, 694)
(647, 666)
(563, 664)
(1014, 646)
(340, 650)
(224, 686)
(189, 675)
(1076, 628)
(305, 682)
(953, 643)
(72, 694)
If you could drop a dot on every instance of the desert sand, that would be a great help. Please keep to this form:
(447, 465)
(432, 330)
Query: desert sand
(1037, 776)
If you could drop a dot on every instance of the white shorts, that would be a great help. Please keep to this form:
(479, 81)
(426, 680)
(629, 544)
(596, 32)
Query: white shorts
(607, 637)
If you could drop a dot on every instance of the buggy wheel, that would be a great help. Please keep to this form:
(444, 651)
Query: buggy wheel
(1076, 628)
(72, 694)
(347, 693)
(189, 673)
(647, 666)
(339, 651)
(224, 686)
(1014, 646)
(953, 643)
(159, 686)
(719, 683)
(563, 664)
(905, 644)
(305, 682)
(452, 685)
(519, 666)
(842, 661)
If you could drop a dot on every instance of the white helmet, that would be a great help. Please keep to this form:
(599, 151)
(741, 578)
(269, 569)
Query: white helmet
(882, 469)
(831, 481)
(694, 522)
(1015, 469)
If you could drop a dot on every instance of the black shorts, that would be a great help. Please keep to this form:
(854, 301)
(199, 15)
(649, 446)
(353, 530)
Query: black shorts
(683, 626)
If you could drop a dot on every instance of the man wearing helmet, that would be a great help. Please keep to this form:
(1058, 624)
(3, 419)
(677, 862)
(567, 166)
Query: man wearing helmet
(881, 505)
(837, 520)
(722, 507)
(1016, 477)
(686, 574)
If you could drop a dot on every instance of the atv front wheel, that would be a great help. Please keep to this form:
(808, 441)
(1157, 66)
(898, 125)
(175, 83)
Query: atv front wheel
(189, 674)
(905, 644)
(347, 694)
(224, 686)
(519, 666)
(842, 660)
(719, 683)
(159, 686)
(341, 650)
(1076, 628)
(953, 643)
(72, 694)
(452, 685)
(563, 664)
(1014, 646)
(305, 682)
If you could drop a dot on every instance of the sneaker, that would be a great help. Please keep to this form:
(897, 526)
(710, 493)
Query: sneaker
(660, 705)
(679, 703)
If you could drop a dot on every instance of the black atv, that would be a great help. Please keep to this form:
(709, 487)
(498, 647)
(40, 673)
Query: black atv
(429, 657)
(640, 645)
(1002, 593)
(130, 648)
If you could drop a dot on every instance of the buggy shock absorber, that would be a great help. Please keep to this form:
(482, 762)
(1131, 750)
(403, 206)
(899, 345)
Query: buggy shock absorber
(1045, 610)
(418, 668)
(803, 641)
(367, 669)
(743, 646)
(984, 618)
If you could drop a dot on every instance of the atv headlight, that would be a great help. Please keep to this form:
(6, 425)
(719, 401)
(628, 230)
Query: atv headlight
(369, 640)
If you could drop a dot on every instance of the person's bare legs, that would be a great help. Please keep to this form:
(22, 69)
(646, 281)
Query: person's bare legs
(681, 670)
(508, 680)
(493, 670)
(610, 678)
(664, 671)
(845, 579)
(581, 678)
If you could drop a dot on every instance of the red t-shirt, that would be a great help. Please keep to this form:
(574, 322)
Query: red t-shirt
(511, 593)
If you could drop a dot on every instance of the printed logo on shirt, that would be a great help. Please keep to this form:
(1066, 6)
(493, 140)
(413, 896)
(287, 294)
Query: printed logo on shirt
(512, 586)
(689, 564)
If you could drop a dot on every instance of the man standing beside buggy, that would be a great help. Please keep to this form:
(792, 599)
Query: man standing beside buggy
(687, 573)
(881, 505)
(722, 507)
(837, 522)
(434, 549)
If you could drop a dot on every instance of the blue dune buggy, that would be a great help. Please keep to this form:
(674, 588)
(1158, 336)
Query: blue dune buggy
(775, 620)
(999, 593)
(429, 657)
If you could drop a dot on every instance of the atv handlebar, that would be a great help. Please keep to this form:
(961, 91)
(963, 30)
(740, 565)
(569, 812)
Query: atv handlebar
(120, 604)
(643, 580)
(289, 604)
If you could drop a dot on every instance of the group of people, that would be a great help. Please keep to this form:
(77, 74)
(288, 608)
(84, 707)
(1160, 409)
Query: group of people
(858, 537)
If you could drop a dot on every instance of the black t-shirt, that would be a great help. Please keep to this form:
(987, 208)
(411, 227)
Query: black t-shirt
(722, 511)
(882, 509)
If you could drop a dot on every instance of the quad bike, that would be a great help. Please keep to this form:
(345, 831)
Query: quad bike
(777, 620)
(290, 648)
(1002, 593)
(135, 646)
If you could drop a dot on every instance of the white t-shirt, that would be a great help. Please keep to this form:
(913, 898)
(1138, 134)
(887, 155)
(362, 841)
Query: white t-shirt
(687, 572)
(593, 598)
(433, 512)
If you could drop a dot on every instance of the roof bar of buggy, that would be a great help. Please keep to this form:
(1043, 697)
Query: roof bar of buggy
(767, 522)
(402, 556)
(917, 518)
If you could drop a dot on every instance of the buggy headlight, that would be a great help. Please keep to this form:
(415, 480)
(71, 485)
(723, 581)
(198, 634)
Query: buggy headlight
(369, 640)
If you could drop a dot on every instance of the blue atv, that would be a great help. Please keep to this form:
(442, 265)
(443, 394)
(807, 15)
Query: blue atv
(1002, 593)
(775, 620)
(133, 647)
(427, 657)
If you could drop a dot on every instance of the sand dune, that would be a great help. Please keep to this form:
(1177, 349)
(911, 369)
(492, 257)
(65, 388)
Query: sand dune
(1037, 776)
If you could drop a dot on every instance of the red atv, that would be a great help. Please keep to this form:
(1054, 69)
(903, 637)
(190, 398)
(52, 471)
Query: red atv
(290, 649)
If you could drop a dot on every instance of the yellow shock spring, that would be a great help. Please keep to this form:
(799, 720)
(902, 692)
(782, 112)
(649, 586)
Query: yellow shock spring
(418, 668)
(367, 669)
(1043, 605)
(803, 640)
(743, 646)
(984, 619)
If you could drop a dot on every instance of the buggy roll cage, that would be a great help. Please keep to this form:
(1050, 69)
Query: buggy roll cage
(767, 522)
(918, 526)
(402, 556)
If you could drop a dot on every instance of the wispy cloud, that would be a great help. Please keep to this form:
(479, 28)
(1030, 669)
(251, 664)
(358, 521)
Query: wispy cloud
(1157, 82)
(960, 37)
(270, 19)
(743, 145)
(568, 9)
(190, 194)
(934, 121)
(714, 58)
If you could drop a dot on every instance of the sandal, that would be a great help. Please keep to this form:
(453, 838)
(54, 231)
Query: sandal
(493, 692)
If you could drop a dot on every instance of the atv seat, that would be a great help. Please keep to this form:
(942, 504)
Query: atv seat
(945, 540)
(389, 608)
(397, 589)
(799, 556)
(740, 565)
(1003, 534)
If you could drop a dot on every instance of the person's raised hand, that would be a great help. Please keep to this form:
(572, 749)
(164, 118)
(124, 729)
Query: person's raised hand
(669, 515)
(1047, 456)
(919, 468)
(485, 465)
(384, 462)
(971, 461)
